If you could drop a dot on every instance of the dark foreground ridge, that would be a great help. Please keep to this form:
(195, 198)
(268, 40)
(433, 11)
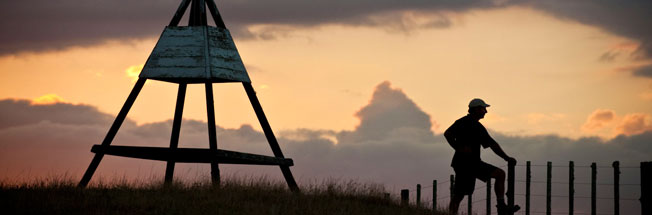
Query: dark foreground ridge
(259, 197)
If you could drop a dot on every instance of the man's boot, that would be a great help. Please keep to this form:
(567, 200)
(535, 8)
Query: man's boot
(503, 209)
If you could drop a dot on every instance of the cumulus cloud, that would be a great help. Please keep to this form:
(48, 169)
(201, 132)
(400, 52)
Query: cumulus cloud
(607, 122)
(390, 112)
(635, 123)
(598, 119)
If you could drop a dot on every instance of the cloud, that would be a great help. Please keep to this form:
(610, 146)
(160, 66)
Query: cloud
(607, 122)
(598, 119)
(635, 123)
(24, 112)
(38, 25)
(390, 112)
(50, 98)
(628, 18)
(405, 21)
(132, 72)
(644, 71)
(608, 56)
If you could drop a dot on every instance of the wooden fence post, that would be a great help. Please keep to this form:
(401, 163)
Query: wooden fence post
(511, 175)
(418, 195)
(571, 187)
(452, 186)
(594, 174)
(434, 195)
(616, 166)
(405, 197)
(489, 197)
(549, 189)
(528, 180)
(470, 204)
(646, 188)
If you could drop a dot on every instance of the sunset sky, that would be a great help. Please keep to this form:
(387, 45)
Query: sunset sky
(543, 71)
(575, 72)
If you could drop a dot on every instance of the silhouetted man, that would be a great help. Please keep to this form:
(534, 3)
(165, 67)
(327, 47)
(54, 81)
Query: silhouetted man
(466, 136)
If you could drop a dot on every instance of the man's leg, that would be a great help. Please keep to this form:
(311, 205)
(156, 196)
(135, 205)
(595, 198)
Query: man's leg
(499, 186)
(464, 182)
(455, 203)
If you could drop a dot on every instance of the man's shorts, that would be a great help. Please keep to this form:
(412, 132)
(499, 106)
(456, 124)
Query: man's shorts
(465, 176)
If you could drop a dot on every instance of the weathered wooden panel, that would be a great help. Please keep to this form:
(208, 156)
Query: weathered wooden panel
(182, 31)
(178, 61)
(176, 51)
(218, 64)
(169, 72)
(225, 61)
(186, 35)
(195, 52)
(221, 38)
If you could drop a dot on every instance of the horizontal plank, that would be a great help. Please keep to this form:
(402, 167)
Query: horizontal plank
(191, 155)
(197, 73)
(195, 80)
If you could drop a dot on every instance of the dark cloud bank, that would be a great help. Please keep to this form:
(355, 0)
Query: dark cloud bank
(393, 145)
(34, 25)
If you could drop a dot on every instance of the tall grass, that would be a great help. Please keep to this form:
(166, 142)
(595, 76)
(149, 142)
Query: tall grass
(233, 196)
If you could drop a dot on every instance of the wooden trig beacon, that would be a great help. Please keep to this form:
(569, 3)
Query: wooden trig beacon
(194, 54)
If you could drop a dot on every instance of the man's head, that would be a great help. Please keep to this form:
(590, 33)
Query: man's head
(478, 108)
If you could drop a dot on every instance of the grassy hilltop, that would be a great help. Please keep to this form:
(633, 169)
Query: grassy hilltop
(232, 197)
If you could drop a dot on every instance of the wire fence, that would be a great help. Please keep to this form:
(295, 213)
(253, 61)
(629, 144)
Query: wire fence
(446, 186)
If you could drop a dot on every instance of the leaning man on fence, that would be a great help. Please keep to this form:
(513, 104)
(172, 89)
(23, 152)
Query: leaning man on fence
(466, 136)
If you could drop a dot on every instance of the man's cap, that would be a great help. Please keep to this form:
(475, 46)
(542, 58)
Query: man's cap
(478, 103)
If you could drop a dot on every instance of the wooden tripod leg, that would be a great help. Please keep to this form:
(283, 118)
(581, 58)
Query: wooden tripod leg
(267, 129)
(180, 11)
(176, 127)
(212, 133)
(112, 131)
(216, 14)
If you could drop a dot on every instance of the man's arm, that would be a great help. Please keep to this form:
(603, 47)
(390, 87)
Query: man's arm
(499, 151)
(450, 137)
(491, 143)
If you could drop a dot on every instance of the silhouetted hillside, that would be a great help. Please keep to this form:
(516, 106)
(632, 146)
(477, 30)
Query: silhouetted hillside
(233, 197)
